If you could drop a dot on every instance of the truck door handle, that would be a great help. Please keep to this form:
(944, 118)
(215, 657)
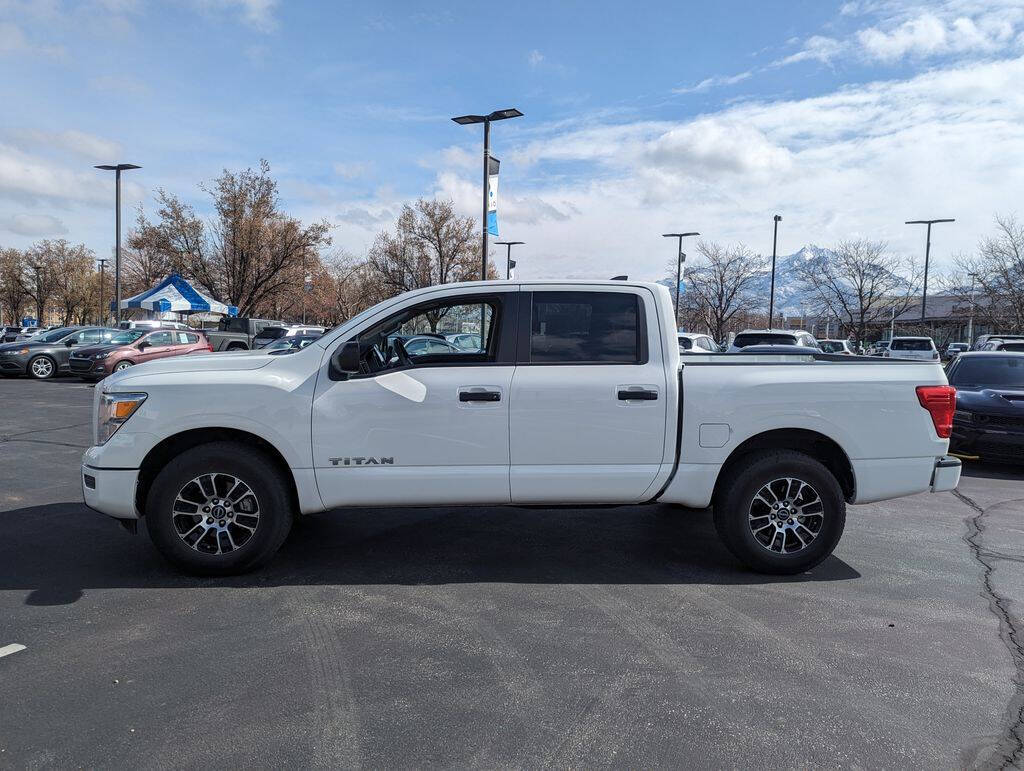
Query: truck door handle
(639, 395)
(479, 396)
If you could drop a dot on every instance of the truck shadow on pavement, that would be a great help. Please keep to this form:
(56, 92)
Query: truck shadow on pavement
(59, 551)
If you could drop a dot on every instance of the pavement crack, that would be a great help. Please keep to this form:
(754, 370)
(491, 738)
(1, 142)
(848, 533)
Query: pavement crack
(12, 437)
(1009, 749)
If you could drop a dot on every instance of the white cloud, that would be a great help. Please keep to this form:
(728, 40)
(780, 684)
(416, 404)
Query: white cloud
(77, 142)
(534, 58)
(14, 41)
(30, 179)
(353, 169)
(858, 161)
(718, 80)
(258, 14)
(816, 48)
(34, 225)
(124, 84)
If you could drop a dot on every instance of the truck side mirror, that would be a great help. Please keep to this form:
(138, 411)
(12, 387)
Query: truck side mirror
(345, 361)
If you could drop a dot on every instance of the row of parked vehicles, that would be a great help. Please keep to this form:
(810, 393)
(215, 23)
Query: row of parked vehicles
(93, 353)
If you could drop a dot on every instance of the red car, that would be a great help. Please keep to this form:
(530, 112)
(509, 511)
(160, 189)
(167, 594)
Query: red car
(135, 346)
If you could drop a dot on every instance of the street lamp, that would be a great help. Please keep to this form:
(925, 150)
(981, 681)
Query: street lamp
(39, 296)
(509, 262)
(771, 298)
(117, 169)
(465, 120)
(680, 259)
(970, 320)
(927, 251)
(103, 264)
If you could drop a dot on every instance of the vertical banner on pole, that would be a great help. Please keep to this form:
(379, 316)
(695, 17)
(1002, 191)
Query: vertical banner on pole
(492, 195)
(511, 269)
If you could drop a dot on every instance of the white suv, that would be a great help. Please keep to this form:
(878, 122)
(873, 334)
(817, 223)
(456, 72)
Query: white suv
(912, 348)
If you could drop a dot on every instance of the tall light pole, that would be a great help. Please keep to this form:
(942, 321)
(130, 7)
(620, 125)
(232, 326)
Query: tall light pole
(927, 252)
(103, 264)
(39, 296)
(771, 297)
(465, 120)
(680, 259)
(509, 262)
(117, 169)
(970, 319)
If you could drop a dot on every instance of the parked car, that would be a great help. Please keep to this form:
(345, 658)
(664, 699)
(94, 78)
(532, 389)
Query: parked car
(48, 354)
(878, 348)
(135, 346)
(467, 341)
(290, 343)
(237, 334)
(912, 348)
(29, 332)
(268, 334)
(692, 342)
(837, 346)
(150, 324)
(578, 402)
(989, 417)
(772, 337)
(998, 344)
(9, 334)
(418, 345)
(955, 349)
(979, 344)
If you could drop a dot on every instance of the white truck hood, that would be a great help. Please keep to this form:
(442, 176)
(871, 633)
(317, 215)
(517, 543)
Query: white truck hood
(212, 362)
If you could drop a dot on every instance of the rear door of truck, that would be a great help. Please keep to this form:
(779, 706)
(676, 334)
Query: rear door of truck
(588, 397)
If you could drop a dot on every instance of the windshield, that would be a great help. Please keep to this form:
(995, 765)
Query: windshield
(913, 344)
(52, 336)
(233, 325)
(763, 338)
(989, 372)
(128, 336)
(832, 346)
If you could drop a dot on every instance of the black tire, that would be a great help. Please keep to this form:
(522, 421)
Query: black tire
(37, 367)
(737, 515)
(237, 347)
(245, 463)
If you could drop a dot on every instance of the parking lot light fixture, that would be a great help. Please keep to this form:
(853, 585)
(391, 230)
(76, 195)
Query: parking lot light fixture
(466, 120)
(117, 169)
(680, 259)
(927, 252)
(509, 262)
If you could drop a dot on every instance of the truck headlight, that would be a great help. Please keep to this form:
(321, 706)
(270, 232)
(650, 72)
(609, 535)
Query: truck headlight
(114, 411)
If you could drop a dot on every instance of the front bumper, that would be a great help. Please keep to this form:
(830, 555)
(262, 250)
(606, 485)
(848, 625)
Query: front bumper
(110, 491)
(13, 364)
(990, 441)
(92, 368)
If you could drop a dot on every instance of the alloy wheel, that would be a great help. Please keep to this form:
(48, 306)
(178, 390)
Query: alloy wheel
(786, 515)
(215, 513)
(42, 367)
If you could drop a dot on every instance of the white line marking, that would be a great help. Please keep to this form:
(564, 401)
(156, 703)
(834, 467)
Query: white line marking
(7, 650)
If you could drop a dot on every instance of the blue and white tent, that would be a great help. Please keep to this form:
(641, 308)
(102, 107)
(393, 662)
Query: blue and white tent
(176, 295)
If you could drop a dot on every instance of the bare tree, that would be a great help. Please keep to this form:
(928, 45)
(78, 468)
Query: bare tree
(431, 245)
(998, 270)
(721, 284)
(12, 292)
(861, 284)
(69, 273)
(250, 249)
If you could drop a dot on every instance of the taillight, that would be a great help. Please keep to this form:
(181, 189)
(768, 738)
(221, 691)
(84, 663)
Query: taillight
(209, 347)
(940, 401)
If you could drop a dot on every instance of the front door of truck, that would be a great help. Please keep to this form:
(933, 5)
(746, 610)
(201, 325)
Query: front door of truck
(421, 424)
(589, 402)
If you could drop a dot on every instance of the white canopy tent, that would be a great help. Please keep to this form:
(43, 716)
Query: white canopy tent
(176, 295)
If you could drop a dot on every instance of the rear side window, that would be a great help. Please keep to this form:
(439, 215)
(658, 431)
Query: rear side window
(911, 345)
(758, 338)
(586, 328)
(272, 333)
(685, 344)
(1012, 347)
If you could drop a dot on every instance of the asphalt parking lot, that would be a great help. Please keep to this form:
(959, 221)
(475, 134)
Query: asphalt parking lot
(502, 637)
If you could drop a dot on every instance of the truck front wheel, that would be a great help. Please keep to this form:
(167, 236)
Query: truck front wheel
(219, 509)
(780, 511)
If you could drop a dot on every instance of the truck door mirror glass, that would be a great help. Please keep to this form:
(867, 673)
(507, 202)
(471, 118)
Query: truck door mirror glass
(345, 360)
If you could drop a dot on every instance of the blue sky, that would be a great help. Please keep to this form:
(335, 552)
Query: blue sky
(847, 118)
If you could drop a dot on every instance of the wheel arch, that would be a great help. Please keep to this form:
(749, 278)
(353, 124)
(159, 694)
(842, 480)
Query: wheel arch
(813, 443)
(165, 450)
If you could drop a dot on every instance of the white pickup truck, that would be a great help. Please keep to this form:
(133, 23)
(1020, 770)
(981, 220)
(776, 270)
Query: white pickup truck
(578, 397)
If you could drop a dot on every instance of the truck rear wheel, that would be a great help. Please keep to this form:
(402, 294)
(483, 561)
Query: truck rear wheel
(780, 511)
(219, 509)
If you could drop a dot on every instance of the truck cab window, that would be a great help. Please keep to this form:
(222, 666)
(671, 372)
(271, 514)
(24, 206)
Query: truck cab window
(420, 336)
(585, 328)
